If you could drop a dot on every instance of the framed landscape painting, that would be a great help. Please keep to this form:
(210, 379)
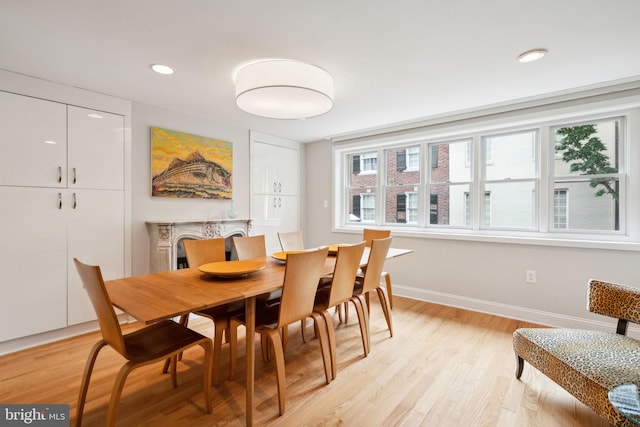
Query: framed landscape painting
(190, 166)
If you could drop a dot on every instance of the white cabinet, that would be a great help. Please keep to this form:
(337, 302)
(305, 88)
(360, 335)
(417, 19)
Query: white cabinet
(275, 175)
(33, 142)
(63, 196)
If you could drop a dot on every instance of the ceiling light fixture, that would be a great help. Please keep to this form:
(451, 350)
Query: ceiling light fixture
(162, 69)
(532, 55)
(283, 89)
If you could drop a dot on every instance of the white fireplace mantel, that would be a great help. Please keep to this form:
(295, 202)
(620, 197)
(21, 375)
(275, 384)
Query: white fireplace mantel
(164, 237)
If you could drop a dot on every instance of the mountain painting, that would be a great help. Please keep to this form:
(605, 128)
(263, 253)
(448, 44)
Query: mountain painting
(190, 166)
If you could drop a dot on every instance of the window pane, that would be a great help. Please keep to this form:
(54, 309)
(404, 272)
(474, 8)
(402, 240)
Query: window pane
(403, 166)
(585, 210)
(511, 205)
(451, 164)
(401, 205)
(447, 204)
(512, 156)
(363, 169)
(361, 205)
(589, 149)
(560, 208)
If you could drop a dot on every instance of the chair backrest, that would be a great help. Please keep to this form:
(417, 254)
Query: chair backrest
(375, 265)
(94, 284)
(301, 277)
(249, 247)
(344, 273)
(200, 252)
(291, 241)
(369, 234)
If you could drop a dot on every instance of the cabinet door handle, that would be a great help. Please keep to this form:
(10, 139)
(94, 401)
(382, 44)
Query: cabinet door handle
(274, 202)
(74, 176)
(279, 202)
(59, 200)
(274, 186)
(75, 201)
(59, 174)
(279, 187)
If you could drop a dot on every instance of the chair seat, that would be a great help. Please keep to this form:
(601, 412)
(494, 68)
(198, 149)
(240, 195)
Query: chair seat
(226, 310)
(158, 340)
(607, 358)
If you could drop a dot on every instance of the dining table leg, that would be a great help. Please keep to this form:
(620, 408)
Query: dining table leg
(250, 318)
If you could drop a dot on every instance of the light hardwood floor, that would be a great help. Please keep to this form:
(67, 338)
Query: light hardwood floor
(444, 367)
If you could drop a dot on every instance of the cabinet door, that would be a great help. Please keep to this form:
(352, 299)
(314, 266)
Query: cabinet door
(288, 171)
(96, 236)
(33, 142)
(272, 214)
(33, 262)
(96, 149)
(264, 164)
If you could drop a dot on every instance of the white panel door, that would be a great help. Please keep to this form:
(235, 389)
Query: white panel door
(96, 149)
(33, 262)
(33, 142)
(96, 237)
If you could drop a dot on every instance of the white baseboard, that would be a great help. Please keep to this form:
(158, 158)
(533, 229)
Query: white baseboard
(510, 311)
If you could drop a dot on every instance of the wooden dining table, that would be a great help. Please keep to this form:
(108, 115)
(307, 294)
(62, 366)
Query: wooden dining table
(153, 297)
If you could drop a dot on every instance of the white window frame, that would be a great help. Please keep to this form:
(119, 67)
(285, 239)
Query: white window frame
(605, 105)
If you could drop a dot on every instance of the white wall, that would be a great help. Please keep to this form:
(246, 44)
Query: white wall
(147, 208)
(482, 276)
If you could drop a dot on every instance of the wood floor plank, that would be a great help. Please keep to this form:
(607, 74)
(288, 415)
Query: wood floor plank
(443, 367)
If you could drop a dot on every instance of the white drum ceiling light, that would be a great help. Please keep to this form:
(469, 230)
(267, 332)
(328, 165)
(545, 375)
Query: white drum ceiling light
(283, 89)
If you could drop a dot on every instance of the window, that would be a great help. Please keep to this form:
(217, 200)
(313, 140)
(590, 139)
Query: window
(448, 182)
(586, 164)
(511, 178)
(542, 178)
(368, 207)
(365, 163)
(402, 180)
(560, 207)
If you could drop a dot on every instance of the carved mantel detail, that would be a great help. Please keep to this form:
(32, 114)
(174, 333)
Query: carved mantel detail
(164, 237)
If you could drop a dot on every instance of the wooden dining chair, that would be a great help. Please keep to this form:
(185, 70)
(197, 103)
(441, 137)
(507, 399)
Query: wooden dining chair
(369, 282)
(337, 289)
(142, 347)
(302, 272)
(368, 235)
(291, 241)
(250, 247)
(201, 252)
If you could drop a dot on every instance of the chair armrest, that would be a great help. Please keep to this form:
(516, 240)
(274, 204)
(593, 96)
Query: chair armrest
(617, 301)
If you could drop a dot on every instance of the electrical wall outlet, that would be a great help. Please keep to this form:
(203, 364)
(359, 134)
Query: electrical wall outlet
(531, 276)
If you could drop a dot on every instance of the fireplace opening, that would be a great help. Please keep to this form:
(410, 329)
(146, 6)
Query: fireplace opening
(230, 253)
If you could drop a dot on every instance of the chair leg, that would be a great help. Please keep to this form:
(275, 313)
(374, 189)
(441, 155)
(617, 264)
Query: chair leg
(303, 328)
(332, 343)
(363, 320)
(233, 346)
(184, 321)
(519, 366)
(276, 342)
(386, 307)
(220, 325)
(387, 279)
(320, 327)
(84, 386)
(117, 391)
(207, 368)
(174, 370)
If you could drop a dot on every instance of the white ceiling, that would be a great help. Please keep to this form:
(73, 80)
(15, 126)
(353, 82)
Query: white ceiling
(392, 61)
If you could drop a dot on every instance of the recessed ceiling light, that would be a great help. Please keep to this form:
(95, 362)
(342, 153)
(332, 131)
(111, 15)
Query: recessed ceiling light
(48, 141)
(162, 69)
(94, 116)
(532, 55)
